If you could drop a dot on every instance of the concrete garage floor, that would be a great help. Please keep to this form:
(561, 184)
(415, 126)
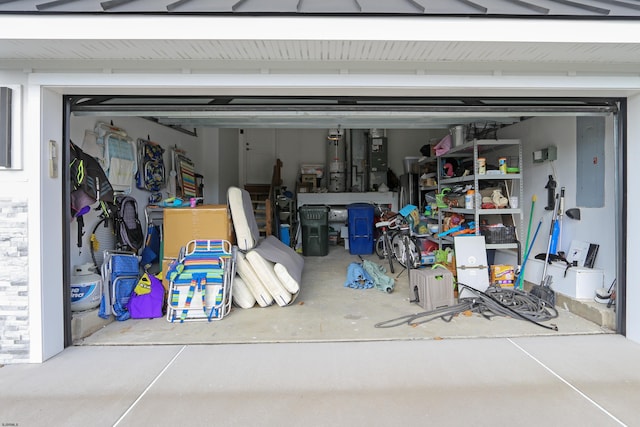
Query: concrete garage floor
(327, 311)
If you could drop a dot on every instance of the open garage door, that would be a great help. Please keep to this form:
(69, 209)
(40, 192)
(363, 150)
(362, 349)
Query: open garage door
(193, 115)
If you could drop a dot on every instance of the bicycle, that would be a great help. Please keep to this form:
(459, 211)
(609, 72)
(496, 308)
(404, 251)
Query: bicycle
(388, 222)
(406, 247)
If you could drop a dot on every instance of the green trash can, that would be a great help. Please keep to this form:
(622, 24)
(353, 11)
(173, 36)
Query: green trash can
(314, 220)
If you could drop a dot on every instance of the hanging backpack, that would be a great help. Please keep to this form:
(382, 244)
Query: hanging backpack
(120, 161)
(89, 183)
(151, 171)
(128, 227)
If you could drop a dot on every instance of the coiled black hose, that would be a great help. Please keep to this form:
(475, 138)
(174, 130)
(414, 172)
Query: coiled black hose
(495, 301)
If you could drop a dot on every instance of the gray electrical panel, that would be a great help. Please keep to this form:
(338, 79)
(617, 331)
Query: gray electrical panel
(590, 133)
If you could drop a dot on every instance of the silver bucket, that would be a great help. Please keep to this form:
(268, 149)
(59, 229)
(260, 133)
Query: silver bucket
(458, 134)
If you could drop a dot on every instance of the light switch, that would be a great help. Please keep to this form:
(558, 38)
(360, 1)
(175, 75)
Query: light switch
(538, 156)
(53, 159)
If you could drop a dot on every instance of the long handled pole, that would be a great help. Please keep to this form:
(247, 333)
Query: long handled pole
(554, 218)
(533, 203)
(560, 214)
(519, 284)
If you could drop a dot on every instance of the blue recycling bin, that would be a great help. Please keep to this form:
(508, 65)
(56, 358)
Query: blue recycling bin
(361, 227)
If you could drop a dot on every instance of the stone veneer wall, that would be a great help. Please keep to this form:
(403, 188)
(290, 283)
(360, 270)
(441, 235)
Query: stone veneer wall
(14, 293)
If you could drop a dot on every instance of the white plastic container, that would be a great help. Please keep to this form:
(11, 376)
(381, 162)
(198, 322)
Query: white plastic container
(86, 288)
(468, 199)
(411, 164)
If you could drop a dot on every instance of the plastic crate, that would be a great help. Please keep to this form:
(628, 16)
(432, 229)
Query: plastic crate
(498, 234)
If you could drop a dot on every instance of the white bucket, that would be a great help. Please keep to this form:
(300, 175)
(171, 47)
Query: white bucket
(86, 288)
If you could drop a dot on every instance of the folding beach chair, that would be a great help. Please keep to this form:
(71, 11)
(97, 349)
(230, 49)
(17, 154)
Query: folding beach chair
(120, 273)
(200, 281)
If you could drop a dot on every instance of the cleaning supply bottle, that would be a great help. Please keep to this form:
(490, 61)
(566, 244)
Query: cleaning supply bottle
(468, 199)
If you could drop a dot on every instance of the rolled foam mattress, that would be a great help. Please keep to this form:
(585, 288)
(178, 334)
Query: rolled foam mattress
(244, 220)
(253, 282)
(264, 270)
(242, 296)
(288, 264)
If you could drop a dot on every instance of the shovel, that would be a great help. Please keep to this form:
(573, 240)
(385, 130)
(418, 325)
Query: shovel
(543, 290)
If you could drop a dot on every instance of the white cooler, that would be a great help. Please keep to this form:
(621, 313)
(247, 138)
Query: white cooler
(580, 282)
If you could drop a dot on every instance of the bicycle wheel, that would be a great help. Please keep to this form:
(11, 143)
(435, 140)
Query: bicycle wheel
(380, 247)
(399, 249)
(390, 255)
(383, 249)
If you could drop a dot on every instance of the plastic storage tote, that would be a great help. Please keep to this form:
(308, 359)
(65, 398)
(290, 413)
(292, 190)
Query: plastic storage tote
(361, 216)
(314, 220)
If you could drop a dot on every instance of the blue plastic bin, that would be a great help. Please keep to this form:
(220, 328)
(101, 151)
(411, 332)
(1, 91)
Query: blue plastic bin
(285, 236)
(361, 217)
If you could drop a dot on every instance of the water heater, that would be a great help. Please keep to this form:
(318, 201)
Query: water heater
(336, 161)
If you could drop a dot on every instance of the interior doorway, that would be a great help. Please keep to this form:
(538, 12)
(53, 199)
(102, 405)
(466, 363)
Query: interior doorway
(259, 154)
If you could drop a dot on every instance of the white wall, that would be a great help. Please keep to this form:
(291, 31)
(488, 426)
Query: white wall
(140, 128)
(300, 146)
(209, 160)
(597, 225)
(228, 153)
(50, 217)
(407, 143)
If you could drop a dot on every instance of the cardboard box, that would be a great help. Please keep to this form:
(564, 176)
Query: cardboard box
(181, 225)
(309, 180)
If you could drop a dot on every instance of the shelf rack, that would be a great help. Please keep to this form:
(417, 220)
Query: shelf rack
(486, 148)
